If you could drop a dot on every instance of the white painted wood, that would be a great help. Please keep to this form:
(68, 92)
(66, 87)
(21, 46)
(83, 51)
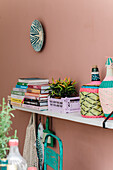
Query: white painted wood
(75, 117)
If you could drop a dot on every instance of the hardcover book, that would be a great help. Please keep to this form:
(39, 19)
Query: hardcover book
(18, 93)
(22, 84)
(36, 98)
(37, 83)
(40, 87)
(16, 104)
(33, 80)
(36, 95)
(30, 90)
(35, 102)
(20, 90)
(21, 87)
(37, 91)
(16, 100)
(17, 96)
(43, 108)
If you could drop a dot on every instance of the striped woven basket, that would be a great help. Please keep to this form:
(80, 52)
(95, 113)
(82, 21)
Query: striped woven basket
(90, 102)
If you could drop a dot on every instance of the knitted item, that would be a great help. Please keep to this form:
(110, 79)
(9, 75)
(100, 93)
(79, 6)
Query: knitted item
(89, 102)
(29, 152)
(106, 89)
(106, 98)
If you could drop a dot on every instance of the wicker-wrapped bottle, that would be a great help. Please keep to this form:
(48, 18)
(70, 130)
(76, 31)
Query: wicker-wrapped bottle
(106, 89)
(89, 96)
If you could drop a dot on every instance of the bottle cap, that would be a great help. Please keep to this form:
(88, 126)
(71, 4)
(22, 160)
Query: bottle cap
(95, 68)
(13, 142)
(32, 168)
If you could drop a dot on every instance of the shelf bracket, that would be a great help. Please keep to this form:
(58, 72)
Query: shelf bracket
(107, 119)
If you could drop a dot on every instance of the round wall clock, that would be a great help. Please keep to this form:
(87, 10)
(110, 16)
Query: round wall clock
(36, 35)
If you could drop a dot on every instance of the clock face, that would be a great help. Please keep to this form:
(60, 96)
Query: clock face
(36, 35)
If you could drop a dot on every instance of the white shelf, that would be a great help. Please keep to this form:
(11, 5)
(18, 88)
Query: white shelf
(75, 117)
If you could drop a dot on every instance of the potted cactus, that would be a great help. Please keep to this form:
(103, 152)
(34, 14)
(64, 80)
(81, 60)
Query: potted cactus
(62, 96)
(5, 127)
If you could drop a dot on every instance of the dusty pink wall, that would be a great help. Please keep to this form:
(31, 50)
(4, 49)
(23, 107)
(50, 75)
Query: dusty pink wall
(78, 34)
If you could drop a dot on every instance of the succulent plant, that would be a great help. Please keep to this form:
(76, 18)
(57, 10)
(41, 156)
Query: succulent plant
(62, 88)
(5, 127)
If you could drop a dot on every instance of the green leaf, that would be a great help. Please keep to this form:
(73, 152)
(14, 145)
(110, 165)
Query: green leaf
(5, 127)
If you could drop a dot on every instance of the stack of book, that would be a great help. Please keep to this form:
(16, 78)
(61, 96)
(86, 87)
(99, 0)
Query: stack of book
(31, 93)
(18, 93)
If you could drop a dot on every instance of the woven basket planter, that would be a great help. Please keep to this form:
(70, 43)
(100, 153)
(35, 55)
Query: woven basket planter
(90, 102)
(64, 105)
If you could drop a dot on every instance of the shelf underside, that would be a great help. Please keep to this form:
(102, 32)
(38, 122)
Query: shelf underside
(75, 117)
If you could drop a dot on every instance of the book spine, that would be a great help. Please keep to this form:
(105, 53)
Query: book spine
(17, 96)
(38, 82)
(18, 93)
(43, 99)
(40, 87)
(31, 103)
(33, 80)
(31, 97)
(22, 84)
(30, 100)
(16, 104)
(35, 103)
(35, 107)
(43, 104)
(30, 90)
(21, 87)
(36, 95)
(37, 91)
(16, 100)
(20, 90)
(44, 91)
(36, 98)
(31, 94)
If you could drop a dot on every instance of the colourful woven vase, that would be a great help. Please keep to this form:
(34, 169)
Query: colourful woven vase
(106, 89)
(89, 98)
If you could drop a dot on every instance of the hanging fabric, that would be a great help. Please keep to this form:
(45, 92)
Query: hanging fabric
(29, 151)
(39, 145)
